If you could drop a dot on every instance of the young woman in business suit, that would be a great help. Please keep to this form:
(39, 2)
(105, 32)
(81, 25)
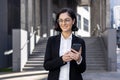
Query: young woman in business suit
(63, 62)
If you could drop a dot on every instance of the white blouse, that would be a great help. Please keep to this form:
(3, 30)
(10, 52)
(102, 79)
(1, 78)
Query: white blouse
(65, 46)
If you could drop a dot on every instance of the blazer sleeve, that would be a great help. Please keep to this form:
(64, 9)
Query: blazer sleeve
(82, 65)
(80, 68)
(52, 62)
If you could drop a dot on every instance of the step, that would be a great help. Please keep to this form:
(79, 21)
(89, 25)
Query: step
(96, 65)
(37, 54)
(33, 68)
(95, 68)
(35, 62)
(34, 65)
(34, 56)
(35, 59)
(95, 59)
(95, 51)
(94, 56)
(95, 62)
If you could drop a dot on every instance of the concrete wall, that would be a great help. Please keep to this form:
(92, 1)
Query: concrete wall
(20, 49)
(109, 37)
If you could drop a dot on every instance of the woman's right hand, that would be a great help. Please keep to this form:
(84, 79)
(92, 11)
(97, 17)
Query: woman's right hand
(66, 57)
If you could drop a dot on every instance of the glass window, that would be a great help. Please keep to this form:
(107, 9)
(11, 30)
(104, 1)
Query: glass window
(85, 23)
(79, 21)
(86, 8)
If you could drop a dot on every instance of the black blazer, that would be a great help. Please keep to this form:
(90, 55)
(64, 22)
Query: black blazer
(53, 61)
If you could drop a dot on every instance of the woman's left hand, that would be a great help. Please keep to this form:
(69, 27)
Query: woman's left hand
(75, 55)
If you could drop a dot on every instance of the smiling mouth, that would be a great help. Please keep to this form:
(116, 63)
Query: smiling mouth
(64, 27)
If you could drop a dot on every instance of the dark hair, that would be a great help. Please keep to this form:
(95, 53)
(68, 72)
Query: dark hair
(71, 14)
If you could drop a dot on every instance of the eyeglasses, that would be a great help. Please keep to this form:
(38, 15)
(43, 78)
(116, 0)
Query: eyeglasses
(66, 20)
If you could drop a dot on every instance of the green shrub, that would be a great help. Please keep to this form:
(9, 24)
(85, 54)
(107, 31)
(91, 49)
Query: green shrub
(5, 70)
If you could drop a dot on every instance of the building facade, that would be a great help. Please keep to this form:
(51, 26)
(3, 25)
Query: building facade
(116, 16)
(24, 22)
(83, 19)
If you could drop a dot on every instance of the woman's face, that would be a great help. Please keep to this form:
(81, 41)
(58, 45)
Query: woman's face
(65, 22)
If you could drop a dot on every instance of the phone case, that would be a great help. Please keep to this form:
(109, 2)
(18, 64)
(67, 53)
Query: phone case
(76, 46)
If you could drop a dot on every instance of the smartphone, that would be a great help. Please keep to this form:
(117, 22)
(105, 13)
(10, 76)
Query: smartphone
(76, 46)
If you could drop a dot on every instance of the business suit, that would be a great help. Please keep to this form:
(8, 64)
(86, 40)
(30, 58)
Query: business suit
(53, 61)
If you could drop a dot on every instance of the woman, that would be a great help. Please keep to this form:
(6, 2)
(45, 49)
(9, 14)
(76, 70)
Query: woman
(63, 62)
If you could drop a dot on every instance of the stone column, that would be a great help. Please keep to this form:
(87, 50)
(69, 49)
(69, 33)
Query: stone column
(111, 40)
(46, 20)
(20, 37)
(108, 18)
(37, 16)
(50, 17)
(43, 17)
(95, 16)
(3, 32)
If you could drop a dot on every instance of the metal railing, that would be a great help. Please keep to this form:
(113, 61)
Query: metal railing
(11, 51)
(97, 30)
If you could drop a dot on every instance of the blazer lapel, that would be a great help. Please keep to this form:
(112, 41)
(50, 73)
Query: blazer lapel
(57, 44)
(73, 39)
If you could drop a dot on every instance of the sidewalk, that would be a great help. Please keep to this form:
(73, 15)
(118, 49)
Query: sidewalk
(33, 75)
(101, 76)
(41, 75)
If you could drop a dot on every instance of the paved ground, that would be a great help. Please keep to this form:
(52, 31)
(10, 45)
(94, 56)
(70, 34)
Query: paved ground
(33, 75)
(102, 76)
(41, 75)
(37, 75)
